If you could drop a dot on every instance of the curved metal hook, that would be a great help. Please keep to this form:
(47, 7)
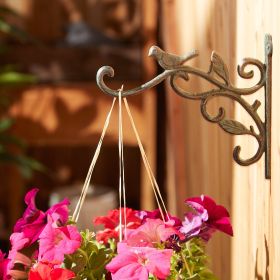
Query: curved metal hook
(109, 71)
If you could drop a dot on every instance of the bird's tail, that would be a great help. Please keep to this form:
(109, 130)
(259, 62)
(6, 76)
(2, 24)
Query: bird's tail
(191, 54)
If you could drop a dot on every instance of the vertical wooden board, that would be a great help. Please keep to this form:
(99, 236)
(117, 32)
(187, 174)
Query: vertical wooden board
(149, 29)
(274, 219)
(244, 191)
(176, 167)
(271, 24)
(207, 162)
(255, 246)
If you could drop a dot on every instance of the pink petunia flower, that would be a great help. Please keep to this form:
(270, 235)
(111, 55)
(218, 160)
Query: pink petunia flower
(111, 223)
(214, 216)
(18, 242)
(47, 271)
(170, 220)
(28, 228)
(19, 272)
(55, 242)
(152, 232)
(3, 266)
(59, 212)
(135, 263)
(33, 220)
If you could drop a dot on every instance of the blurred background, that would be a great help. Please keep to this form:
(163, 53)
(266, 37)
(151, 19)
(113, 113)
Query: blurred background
(52, 114)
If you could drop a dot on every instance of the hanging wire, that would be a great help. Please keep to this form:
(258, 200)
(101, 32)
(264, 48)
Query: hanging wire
(81, 200)
(122, 190)
(152, 178)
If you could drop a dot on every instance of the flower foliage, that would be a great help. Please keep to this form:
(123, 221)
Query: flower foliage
(151, 245)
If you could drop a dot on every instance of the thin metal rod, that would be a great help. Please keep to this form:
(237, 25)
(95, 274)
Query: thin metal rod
(268, 105)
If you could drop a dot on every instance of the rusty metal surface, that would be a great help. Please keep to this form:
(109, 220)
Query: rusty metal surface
(218, 76)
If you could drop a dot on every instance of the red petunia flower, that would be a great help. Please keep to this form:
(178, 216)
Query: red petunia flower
(48, 271)
(111, 223)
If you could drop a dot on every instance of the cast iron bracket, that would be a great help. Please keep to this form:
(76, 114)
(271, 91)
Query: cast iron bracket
(218, 76)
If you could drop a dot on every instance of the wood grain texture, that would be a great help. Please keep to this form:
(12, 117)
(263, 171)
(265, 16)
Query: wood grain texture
(200, 153)
(70, 114)
(235, 29)
(149, 11)
(255, 200)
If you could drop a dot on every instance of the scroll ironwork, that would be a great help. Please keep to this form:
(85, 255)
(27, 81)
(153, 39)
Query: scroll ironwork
(218, 76)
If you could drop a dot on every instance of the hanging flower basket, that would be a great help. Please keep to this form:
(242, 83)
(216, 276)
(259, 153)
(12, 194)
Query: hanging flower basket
(47, 245)
(134, 244)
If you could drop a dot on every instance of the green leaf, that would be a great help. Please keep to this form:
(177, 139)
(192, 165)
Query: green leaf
(191, 262)
(31, 163)
(5, 124)
(12, 78)
(233, 127)
(11, 139)
(25, 164)
(207, 275)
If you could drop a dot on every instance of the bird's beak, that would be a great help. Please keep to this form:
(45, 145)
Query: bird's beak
(151, 51)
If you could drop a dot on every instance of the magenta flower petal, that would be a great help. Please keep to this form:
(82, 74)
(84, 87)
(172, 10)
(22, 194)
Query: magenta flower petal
(170, 220)
(59, 212)
(3, 266)
(33, 220)
(215, 216)
(55, 242)
(223, 224)
(30, 198)
(219, 211)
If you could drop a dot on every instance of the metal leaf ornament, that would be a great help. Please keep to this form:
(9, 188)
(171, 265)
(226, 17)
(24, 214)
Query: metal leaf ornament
(219, 67)
(233, 127)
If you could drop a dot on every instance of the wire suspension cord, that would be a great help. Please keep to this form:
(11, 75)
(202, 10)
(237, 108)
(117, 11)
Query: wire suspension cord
(92, 165)
(122, 187)
(152, 178)
(122, 190)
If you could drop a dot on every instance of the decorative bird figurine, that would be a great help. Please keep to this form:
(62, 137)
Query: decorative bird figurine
(170, 61)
